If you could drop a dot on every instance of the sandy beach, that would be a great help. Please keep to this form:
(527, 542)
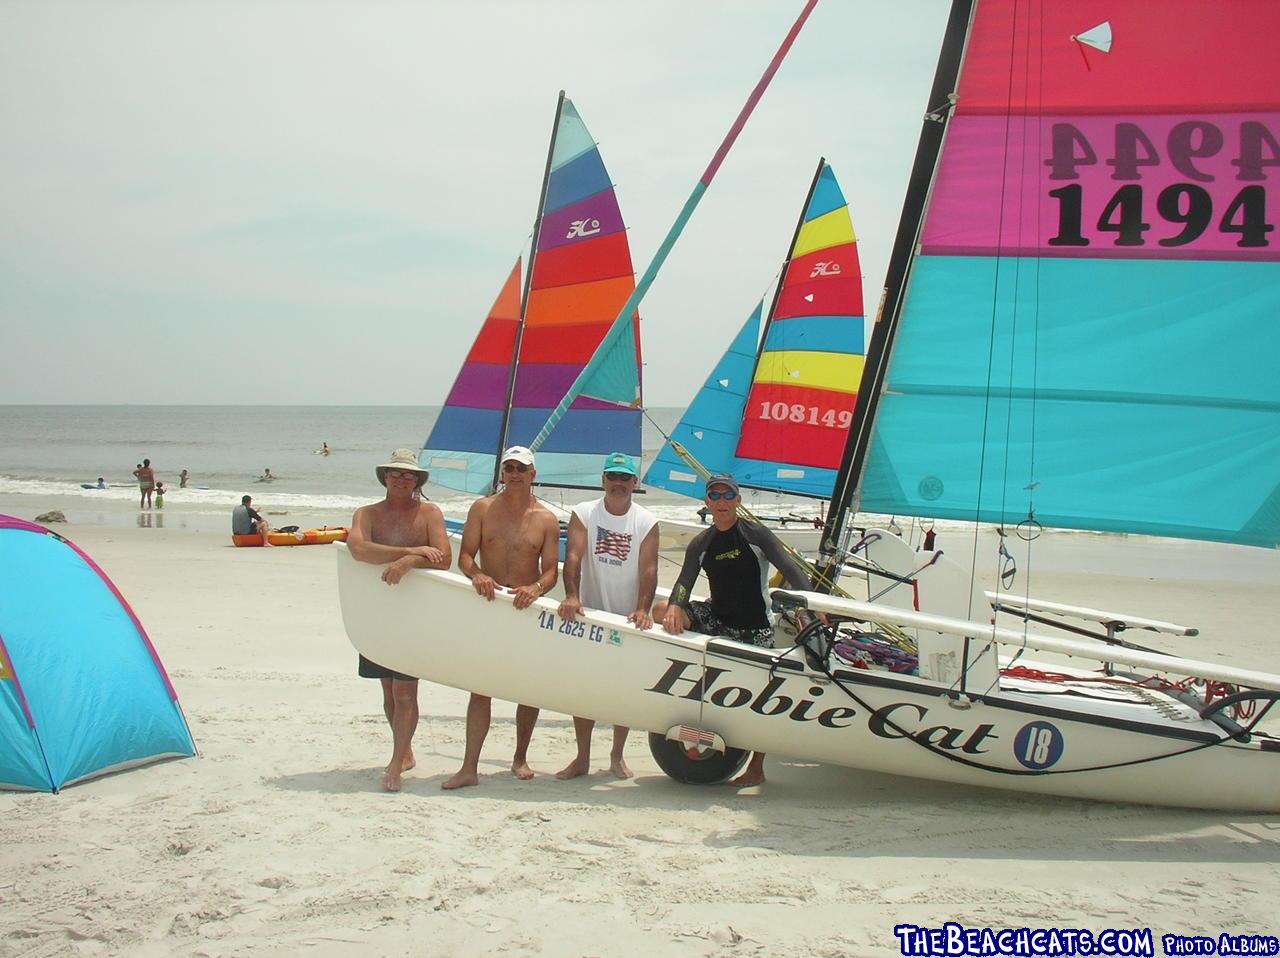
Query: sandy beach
(277, 840)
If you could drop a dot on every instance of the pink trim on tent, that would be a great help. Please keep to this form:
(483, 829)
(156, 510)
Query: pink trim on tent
(12, 522)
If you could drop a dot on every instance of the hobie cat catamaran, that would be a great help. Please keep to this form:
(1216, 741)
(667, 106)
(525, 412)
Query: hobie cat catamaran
(1106, 221)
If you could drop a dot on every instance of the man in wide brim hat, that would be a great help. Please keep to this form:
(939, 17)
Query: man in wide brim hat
(401, 533)
(403, 460)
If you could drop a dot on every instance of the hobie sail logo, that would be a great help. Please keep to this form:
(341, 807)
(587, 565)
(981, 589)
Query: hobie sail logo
(825, 268)
(582, 228)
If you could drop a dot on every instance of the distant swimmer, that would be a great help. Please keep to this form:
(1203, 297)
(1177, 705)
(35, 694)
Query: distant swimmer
(182, 479)
(102, 483)
(266, 475)
(324, 449)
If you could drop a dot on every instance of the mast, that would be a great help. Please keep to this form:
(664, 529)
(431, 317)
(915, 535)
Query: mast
(623, 320)
(844, 498)
(524, 296)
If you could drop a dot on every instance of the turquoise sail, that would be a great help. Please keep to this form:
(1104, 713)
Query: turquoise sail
(709, 427)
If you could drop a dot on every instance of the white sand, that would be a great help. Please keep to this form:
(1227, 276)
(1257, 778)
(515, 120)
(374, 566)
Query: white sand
(277, 840)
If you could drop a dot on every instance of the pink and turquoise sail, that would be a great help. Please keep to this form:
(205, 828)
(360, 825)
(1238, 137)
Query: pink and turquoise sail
(776, 415)
(532, 348)
(1090, 332)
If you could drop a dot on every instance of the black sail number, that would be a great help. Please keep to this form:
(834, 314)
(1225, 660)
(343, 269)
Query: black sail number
(1181, 204)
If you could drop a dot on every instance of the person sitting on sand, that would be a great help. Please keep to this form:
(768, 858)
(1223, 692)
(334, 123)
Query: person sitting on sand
(159, 495)
(518, 539)
(610, 563)
(146, 483)
(735, 553)
(401, 533)
(246, 521)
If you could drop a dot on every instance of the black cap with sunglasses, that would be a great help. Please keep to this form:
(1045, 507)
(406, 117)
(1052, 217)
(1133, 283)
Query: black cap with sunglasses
(723, 479)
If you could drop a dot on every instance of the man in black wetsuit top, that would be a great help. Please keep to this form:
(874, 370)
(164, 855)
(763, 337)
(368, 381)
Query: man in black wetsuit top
(736, 555)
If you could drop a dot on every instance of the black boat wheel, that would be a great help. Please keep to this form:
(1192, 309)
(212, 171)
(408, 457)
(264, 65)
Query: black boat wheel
(691, 767)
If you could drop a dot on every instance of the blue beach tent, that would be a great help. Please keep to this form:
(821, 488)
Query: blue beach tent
(82, 692)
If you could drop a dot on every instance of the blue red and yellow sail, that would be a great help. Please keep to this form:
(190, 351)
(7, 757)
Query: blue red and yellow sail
(777, 414)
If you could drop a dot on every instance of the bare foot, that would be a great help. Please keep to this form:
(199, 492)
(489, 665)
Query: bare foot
(620, 768)
(748, 778)
(461, 780)
(408, 763)
(391, 780)
(574, 769)
(521, 770)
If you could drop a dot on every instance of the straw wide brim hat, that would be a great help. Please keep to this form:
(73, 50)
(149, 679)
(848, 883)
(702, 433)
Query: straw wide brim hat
(404, 459)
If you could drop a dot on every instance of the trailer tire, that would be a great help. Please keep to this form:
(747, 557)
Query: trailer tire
(711, 768)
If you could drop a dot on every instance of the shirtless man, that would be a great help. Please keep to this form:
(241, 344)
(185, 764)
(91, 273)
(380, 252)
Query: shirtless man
(402, 533)
(146, 483)
(517, 538)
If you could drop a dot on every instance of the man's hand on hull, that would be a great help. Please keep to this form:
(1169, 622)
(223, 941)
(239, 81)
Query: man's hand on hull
(484, 585)
(526, 594)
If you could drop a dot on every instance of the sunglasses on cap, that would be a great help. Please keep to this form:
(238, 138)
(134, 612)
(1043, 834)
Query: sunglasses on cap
(515, 467)
(727, 494)
(618, 476)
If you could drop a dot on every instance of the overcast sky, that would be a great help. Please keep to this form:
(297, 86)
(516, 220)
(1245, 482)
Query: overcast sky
(271, 202)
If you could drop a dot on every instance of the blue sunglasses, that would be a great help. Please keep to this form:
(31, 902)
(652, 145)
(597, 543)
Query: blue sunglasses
(728, 494)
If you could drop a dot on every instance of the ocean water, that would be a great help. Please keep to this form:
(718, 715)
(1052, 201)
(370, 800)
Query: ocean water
(49, 450)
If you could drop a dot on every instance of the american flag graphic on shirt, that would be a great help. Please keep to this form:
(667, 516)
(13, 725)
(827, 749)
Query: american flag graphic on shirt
(610, 543)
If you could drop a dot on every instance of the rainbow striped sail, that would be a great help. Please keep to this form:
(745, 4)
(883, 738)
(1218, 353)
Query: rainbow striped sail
(467, 437)
(1089, 326)
(530, 351)
(794, 398)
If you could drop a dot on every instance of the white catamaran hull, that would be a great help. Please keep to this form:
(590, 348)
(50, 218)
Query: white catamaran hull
(433, 625)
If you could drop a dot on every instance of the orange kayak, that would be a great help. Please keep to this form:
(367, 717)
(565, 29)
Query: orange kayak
(303, 537)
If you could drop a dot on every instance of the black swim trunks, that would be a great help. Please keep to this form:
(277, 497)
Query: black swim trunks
(372, 670)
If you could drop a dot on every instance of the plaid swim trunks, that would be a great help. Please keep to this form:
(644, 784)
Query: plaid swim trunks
(703, 619)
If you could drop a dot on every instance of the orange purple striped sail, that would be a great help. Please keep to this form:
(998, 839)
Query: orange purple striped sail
(580, 276)
(466, 438)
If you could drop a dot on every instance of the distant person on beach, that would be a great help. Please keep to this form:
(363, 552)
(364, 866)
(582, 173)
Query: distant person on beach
(159, 495)
(736, 554)
(182, 479)
(102, 483)
(324, 449)
(518, 540)
(266, 475)
(246, 521)
(146, 483)
(401, 533)
(611, 564)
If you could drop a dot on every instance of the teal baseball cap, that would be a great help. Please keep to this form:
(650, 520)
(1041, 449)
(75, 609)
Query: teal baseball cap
(620, 462)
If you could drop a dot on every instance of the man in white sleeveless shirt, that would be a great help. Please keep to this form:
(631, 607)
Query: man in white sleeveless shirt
(610, 564)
